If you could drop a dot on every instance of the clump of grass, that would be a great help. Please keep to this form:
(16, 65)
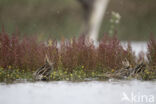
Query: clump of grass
(23, 53)
(74, 59)
(9, 75)
(152, 52)
(151, 55)
(111, 54)
(78, 52)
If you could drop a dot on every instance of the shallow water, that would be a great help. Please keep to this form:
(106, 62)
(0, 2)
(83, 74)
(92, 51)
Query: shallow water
(93, 92)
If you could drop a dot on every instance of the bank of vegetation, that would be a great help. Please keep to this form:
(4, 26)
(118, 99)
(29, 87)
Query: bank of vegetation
(74, 59)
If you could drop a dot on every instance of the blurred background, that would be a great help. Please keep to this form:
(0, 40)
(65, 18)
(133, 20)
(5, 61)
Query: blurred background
(64, 18)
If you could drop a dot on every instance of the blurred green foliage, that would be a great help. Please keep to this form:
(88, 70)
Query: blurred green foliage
(64, 18)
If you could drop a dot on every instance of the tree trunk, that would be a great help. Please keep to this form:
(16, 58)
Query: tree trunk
(93, 14)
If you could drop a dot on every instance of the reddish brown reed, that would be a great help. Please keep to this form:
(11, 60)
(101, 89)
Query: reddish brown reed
(151, 55)
(111, 53)
(28, 53)
(78, 52)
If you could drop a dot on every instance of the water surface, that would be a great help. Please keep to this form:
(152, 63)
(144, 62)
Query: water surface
(92, 92)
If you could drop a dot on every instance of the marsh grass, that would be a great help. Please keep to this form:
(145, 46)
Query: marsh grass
(151, 55)
(74, 59)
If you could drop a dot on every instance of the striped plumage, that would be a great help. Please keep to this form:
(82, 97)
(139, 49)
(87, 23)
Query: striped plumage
(44, 72)
(127, 71)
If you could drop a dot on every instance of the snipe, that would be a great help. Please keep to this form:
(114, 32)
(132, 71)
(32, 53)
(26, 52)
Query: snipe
(128, 71)
(44, 72)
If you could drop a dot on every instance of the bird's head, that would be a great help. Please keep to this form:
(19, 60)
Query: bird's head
(48, 62)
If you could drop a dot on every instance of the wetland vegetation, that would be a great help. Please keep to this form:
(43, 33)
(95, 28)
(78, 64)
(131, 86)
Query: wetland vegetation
(74, 59)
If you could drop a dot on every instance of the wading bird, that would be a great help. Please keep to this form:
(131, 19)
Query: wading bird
(44, 72)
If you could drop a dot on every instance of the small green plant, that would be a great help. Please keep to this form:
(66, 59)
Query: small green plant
(114, 20)
(12, 74)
